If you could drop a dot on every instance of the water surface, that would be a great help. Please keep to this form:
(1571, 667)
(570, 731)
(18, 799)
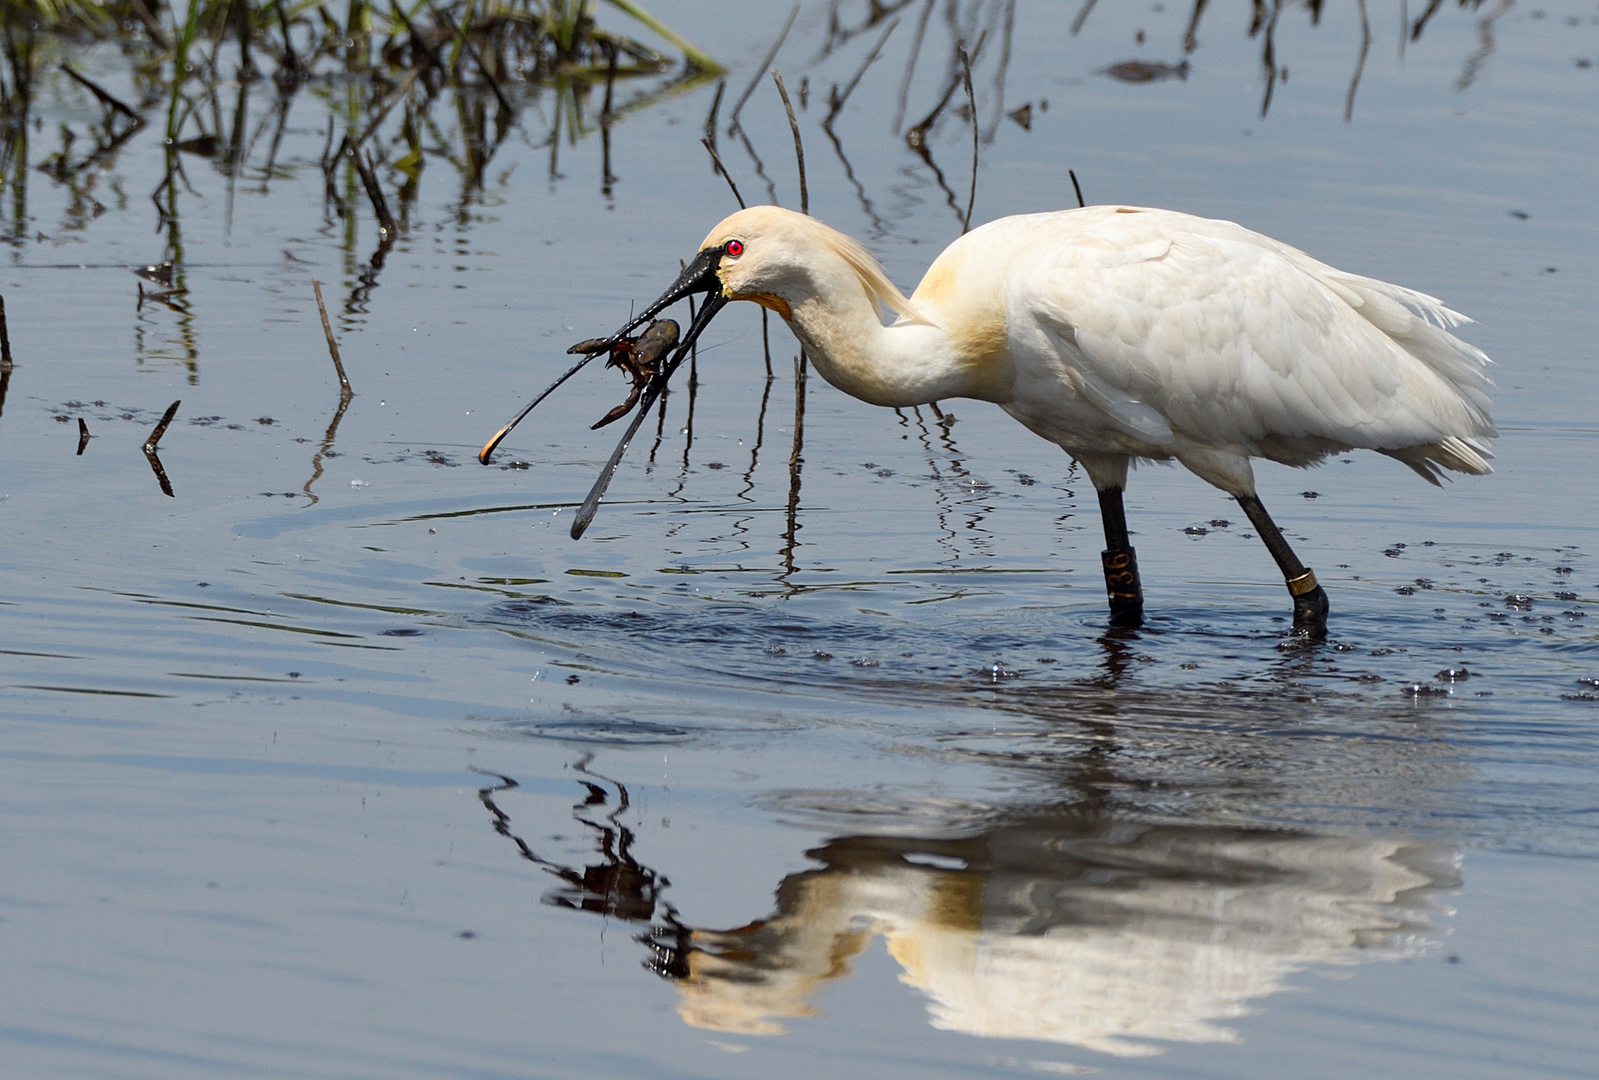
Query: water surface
(811, 758)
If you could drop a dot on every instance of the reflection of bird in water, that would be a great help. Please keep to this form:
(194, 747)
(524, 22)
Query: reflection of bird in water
(1101, 940)
(1125, 334)
(1071, 926)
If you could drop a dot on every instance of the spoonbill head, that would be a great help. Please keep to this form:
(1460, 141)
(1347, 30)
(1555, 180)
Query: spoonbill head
(1126, 334)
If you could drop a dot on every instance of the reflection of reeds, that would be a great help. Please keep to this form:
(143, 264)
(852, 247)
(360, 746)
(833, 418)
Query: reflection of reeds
(405, 82)
(450, 78)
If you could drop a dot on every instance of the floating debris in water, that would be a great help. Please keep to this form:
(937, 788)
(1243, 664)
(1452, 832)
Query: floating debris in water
(160, 273)
(1145, 71)
(1519, 601)
(997, 671)
(1453, 674)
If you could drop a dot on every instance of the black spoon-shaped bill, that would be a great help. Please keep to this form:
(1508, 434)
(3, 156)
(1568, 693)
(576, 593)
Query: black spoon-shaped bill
(698, 276)
(591, 504)
(499, 436)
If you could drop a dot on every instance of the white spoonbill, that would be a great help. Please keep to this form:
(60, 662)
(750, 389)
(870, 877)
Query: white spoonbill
(1123, 334)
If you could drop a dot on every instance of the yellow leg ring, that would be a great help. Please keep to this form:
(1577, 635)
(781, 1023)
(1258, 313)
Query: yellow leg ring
(1303, 584)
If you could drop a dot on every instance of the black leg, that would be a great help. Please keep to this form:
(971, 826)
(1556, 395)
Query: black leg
(1310, 602)
(1125, 591)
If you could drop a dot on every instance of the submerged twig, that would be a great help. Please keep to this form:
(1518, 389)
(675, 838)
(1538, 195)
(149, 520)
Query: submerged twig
(5, 339)
(1190, 35)
(374, 191)
(1268, 58)
(1078, 188)
(1485, 32)
(295, 69)
(799, 147)
(796, 466)
(83, 436)
(716, 107)
(1360, 63)
(716, 160)
(916, 137)
(1421, 23)
(971, 101)
(607, 179)
(150, 445)
(160, 473)
(154, 440)
(771, 54)
(760, 166)
(103, 96)
(1082, 16)
(345, 393)
(1002, 69)
(766, 345)
(477, 58)
(849, 174)
(836, 100)
(910, 66)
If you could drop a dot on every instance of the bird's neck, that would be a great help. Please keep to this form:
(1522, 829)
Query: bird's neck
(908, 363)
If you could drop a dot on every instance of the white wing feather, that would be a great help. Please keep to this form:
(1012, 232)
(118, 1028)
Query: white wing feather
(1171, 323)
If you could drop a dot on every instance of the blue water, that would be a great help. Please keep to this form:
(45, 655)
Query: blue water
(346, 761)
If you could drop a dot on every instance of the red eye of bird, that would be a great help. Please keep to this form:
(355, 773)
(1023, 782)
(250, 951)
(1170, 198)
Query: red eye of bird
(735, 248)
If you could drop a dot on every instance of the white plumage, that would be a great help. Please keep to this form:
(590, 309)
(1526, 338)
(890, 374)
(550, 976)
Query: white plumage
(1122, 334)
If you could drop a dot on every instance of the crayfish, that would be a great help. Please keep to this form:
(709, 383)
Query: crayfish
(640, 357)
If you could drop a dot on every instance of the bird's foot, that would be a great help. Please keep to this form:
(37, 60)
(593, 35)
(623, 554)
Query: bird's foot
(1310, 606)
(1122, 587)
